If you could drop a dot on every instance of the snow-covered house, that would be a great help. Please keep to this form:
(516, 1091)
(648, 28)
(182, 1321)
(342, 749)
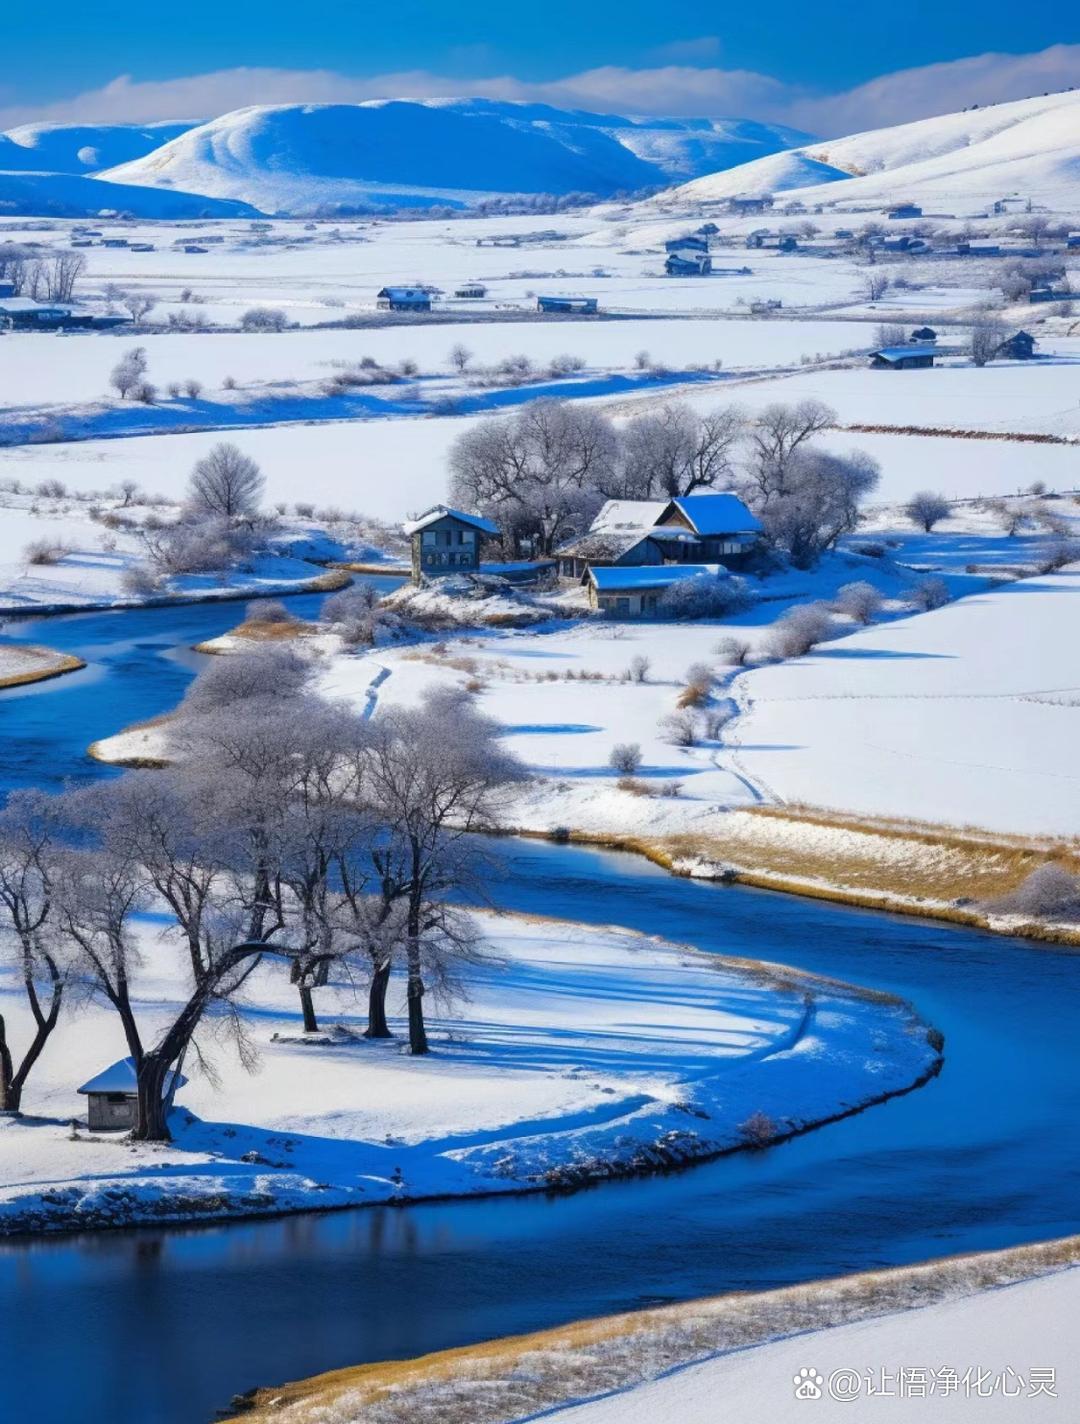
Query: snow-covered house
(112, 1096)
(690, 242)
(1018, 347)
(403, 299)
(904, 210)
(1012, 204)
(474, 291)
(713, 528)
(1051, 294)
(607, 548)
(636, 592)
(903, 358)
(447, 541)
(1073, 240)
(923, 336)
(576, 306)
(688, 264)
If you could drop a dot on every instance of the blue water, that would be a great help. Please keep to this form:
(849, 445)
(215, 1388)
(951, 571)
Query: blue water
(149, 1327)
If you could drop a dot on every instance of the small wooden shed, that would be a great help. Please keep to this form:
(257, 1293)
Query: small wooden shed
(112, 1097)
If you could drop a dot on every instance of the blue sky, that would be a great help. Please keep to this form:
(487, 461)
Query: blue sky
(774, 58)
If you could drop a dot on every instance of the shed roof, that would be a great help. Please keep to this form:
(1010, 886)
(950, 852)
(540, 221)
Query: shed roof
(717, 514)
(406, 294)
(604, 543)
(443, 511)
(27, 304)
(120, 1077)
(905, 353)
(623, 578)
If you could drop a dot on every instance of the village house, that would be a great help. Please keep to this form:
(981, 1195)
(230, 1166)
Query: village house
(473, 291)
(447, 541)
(741, 206)
(904, 210)
(620, 535)
(411, 299)
(690, 242)
(913, 357)
(636, 592)
(707, 528)
(1050, 294)
(923, 336)
(688, 264)
(576, 306)
(1018, 347)
(1073, 240)
(1012, 204)
(112, 1098)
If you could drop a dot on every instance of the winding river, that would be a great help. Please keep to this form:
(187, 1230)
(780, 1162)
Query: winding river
(149, 1327)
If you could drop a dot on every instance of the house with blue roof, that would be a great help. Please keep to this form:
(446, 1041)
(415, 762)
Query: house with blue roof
(903, 358)
(707, 529)
(630, 592)
(447, 541)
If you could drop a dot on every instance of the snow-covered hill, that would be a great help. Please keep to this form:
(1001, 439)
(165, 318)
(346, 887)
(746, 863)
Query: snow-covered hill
(72, 195)
(956, 162)
(303, 158)
(81, 148)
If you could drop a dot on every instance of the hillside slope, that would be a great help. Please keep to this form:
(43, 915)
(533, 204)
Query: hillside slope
(303, 158)
(71, 195)
(81, 148)
(956, 162)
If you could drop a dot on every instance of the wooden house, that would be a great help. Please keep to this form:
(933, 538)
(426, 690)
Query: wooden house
(690, 242)
(707, 529)
(904, 210)
(472, 291)
(447, 541)
(112, 1098)
(1050, 294)
(636, 592)
(575, 306)
(688, 264)
(1018, 347)
(903, 358)
(411, 299)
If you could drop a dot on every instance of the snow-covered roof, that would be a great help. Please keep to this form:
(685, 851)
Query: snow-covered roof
(717, 514)
(904, 353)
(25, 304)
(443, 511)
(639, 514)
(603, 543)
(120, 1077)
(622, 578)
(405, 294)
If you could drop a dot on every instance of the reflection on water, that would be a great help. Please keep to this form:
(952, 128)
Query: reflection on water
(162, 1328)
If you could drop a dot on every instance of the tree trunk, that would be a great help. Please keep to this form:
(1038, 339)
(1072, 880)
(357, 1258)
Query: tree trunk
(151, 1124)
(10, 1094)
(307, 1004)
(377, 1026)
(417, 1033)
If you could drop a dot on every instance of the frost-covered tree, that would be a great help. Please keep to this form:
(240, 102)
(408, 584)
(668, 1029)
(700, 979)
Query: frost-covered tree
(460, 356)
(675, 451)
(129, 372)
(987, 334)
(775, 437)
(927, 509)
(226, 483)
(625, 758)
(815, 500)
(800, 629)
(859, 600)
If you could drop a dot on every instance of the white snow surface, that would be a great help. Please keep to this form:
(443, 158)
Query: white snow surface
(575, 1050)
(1007, 1333)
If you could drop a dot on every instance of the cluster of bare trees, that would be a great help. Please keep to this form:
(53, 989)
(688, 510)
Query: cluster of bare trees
(290, 832)
(42, 277)
(543, 473)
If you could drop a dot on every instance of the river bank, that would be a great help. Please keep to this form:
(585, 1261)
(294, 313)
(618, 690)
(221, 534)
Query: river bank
(608, 1360)
(23, 663)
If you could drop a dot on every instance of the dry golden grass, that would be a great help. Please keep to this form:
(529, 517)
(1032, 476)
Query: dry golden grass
(530, 1373)
(53, 665)
(265, 630)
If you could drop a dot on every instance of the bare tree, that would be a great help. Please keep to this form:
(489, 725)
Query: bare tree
(875, 285)
(27, 868)
(138, 304)
(859, 600)
(675, 451)
(927, 509)
(817, 502)
(799, 630)
(460, 356)
(226, 483)
(987, 334)
(129, 371)
(625, 758)
(775, 435)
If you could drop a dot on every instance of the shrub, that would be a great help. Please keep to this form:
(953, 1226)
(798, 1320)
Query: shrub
(268, 610)
(51, 489)
(193, 389)
(716, 719)
(799, 630)
(758, 1130)
(638, 668)
(138, 581)
(1048, 893)
(45, 551)
(859, 600)
(1058, 554)
(263, 319)
(733, 651)
(930, 593)
(272, 670)
(705, 596)
(625, 758)
(680, 727)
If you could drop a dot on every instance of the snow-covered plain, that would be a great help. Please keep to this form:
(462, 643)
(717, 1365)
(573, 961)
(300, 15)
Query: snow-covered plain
(576, 1054)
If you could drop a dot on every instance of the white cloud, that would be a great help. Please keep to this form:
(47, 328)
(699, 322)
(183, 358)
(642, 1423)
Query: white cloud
(670, 88)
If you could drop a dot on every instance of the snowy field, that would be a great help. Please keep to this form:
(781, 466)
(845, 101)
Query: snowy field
(575, 1052)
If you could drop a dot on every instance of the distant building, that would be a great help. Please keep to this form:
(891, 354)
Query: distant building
(114, 242)
(688, 264)
(742, 206)
(707, 229)
(403, 299)
(576, 306)
(978, 249)
(447, 541)
(691, 242)
(192, 247)
(112, 1098)
(142, 247)
(1018, 347)
(471, 290)
(923, 336)
(903, 358)
(7, 289)
(1051, 294)
(1012, 204)
(904, 210)
(1073, 239)
(24, 314)
(763, 307)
